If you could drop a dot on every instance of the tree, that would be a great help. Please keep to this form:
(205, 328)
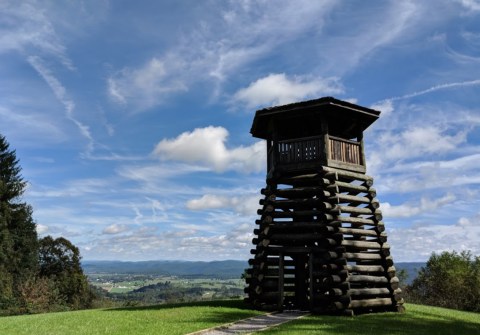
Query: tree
(12, 184)
(449, 280)
(18, 235)
(59, 261)
(34, 275)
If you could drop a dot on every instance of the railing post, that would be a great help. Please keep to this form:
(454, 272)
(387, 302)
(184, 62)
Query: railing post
(362, 154)
(328, 153)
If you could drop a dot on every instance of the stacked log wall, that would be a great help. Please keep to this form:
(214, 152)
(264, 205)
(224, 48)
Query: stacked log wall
(321, 245)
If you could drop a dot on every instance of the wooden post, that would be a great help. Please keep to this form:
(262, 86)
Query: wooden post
(281, 275)
(310, 280)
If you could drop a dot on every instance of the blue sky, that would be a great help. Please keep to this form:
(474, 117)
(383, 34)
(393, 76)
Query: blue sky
(131, 119)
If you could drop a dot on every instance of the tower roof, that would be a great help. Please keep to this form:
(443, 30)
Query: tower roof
(344, 118)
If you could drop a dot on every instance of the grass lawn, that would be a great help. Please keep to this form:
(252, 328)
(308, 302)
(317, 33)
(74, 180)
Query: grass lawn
(158, 320)
(417, 320)
(186, 318)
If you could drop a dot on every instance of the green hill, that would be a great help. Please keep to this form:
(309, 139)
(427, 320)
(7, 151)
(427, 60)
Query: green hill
(186, 318)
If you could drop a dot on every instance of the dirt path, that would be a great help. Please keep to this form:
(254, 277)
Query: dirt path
(253, 324)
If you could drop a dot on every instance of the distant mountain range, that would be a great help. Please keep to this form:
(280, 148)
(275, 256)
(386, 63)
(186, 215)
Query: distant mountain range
(213, 269)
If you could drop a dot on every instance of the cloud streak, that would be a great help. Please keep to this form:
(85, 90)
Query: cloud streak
(27, 29)
(432, 89)
(237, 34)
(61, 94)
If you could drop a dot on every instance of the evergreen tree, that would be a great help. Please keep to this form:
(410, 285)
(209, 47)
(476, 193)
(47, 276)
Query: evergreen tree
(18, 235)
(6, 249)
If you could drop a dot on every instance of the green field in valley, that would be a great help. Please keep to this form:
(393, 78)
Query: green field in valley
(186, 318)
(126, 285)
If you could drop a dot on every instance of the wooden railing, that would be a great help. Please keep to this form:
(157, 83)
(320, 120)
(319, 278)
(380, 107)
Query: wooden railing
(312, 150)
(300, 150)
(345, 151)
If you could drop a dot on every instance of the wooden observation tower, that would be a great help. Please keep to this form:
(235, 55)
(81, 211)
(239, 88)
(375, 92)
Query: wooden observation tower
(320, 244)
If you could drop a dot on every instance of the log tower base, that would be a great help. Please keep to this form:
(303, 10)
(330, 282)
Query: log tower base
(321, 245)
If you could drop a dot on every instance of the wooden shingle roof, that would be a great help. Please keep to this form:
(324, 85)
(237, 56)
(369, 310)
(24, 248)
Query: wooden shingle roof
(344, 119)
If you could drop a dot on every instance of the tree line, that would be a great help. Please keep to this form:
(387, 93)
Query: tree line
(450, 280)
(36, 274)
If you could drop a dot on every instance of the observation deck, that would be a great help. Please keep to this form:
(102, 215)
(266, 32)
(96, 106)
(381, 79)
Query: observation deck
(306, 135)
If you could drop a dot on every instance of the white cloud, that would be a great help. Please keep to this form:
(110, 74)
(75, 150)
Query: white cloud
(115, 229)
(423, 240)
(278, 89)
(470, 222)
(419, 176)
(188, 242)
(470, 5)
(146, 86)
(415, 142)
(385, 107)
(246, 205)
(208, 201)
(467, 163)
(41, 229)
(430, 140)
(420, 135)
(206, 146)
(424, 206)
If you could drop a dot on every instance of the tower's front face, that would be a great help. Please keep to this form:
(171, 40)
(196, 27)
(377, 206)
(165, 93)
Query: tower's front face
(320, 242)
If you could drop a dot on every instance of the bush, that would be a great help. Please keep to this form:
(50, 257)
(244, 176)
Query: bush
(39, 295)
(450, 280)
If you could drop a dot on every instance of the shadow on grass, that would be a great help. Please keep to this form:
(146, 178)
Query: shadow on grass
(184, 318)
(410, 323)
(238, 304)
